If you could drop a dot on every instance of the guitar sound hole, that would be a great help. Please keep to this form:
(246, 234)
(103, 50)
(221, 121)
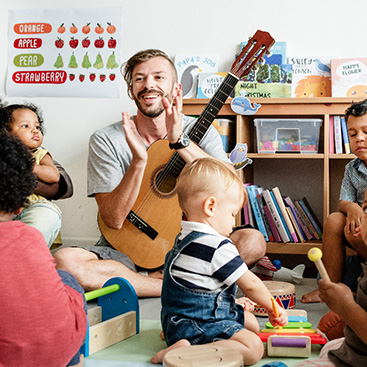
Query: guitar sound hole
(164, 183)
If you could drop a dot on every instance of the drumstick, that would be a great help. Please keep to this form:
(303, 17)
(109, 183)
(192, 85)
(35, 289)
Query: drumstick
(275, 310)
(315, 255)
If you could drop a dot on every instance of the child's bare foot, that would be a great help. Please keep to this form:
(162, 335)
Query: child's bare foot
(311, 297)
(158, 357)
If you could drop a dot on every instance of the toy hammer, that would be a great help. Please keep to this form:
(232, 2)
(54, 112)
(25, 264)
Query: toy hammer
(315, 255)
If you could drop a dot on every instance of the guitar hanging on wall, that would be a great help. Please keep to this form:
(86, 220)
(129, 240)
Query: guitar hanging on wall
(150, 228)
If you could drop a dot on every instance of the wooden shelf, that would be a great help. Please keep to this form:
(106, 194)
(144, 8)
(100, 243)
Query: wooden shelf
(321, 172)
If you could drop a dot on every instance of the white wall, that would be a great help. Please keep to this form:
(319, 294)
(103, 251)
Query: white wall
(310, 27)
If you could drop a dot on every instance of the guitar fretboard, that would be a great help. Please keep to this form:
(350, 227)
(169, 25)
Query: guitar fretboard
(177, 163)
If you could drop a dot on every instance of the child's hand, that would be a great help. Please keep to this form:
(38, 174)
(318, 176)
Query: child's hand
(354, 219)
(246, 303)
(337, 296)
(282, 320)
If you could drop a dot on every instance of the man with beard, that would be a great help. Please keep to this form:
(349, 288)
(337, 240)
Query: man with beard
(116, 164)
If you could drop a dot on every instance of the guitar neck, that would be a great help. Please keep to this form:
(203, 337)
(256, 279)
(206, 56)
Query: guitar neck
(204, 121)
(212, 109)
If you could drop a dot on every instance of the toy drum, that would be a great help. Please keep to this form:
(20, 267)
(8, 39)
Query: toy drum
(203, 355)
(284, 294)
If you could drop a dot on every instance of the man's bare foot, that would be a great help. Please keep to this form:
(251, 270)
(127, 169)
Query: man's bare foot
(158, 357)
(311, 297)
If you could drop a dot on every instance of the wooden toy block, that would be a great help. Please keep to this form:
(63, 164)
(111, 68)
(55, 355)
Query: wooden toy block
(116, 317)
(286, 331)
(289, 346)
(94, 315)
(111, 331)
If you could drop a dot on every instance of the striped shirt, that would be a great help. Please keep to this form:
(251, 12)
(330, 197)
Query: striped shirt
(211, 263)
(354, 182)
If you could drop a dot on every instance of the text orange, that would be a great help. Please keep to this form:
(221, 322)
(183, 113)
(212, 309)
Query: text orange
(32, 28)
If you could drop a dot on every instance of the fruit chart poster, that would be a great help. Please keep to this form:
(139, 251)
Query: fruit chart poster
(64, 53)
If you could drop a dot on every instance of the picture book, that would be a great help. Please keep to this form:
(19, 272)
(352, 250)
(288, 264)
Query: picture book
(283, 210)
(349, 77)
(307, 221)
(271, 222)
(276, 216)
(294, 219)
(268, 81)
(208, 83)
(338, 135)
(277, 55)
(251, 190)
(311, 215)
(331, 135)
(188, 67)
(345, 135)
(311, 77)
(260, 201)
(225, 128)
(300, 220)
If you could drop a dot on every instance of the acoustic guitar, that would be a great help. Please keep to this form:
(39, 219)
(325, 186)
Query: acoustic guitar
(150, 228)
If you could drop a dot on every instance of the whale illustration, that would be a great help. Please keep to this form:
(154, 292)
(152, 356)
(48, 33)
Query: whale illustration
(243, 106)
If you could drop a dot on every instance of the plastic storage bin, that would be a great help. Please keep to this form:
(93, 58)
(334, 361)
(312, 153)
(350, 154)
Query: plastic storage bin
(287, 135)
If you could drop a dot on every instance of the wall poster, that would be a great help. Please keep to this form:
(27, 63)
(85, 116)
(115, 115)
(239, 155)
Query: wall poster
(64, 53)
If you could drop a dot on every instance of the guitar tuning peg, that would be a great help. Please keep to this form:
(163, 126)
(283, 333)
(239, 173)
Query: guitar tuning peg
(262, 61)
(268, 53)
(255, 67)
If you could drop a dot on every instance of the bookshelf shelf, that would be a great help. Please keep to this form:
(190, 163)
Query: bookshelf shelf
(316, 176)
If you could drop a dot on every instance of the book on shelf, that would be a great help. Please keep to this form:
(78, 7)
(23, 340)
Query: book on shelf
(349, 77)
(338, 135)
(311, 76)
(269, 81)
(294, 218)
(300, 219)
(311, 215)
(331, 135)
(247, 211)
(298, 230)
(251, 190)
(272, 225)
(208, 83)
(188, 67)
(309, 225)
(275, 215)
(283, 210)
(345, 135)
(260, 201)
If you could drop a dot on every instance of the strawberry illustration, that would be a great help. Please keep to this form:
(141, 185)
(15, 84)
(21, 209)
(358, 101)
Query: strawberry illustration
(59, 43)
(99, 43)
(92, 77)
(102, 77)
(86, 42)
(73, 42)
(111, 43)
(71, 77)
(112, 77)
(81, 77)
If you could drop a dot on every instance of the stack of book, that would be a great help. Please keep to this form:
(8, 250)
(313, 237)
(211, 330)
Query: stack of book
(338, 136)
(278, 218)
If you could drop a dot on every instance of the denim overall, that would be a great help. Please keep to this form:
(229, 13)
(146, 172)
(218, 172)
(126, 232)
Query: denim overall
(200, 317)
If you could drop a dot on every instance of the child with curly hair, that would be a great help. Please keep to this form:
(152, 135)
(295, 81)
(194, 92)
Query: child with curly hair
(43, 312)
(25, 122)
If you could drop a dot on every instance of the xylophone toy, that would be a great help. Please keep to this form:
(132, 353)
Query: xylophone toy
(293, 339)
(115, 318)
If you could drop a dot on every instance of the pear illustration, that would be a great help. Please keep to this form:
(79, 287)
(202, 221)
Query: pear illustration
(99, 62)
(86, 63)
(59, 63)
(111, 62)
(72, 63)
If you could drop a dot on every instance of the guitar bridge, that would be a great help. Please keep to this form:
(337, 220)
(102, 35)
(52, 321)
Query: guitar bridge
(140, 224)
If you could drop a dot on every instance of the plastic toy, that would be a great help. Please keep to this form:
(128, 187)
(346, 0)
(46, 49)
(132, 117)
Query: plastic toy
(242, 105)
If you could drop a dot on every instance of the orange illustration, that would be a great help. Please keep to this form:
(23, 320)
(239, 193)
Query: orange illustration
(86, 28)
(111, 28)
(99, 29)
(61, 29)
(73, 29)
